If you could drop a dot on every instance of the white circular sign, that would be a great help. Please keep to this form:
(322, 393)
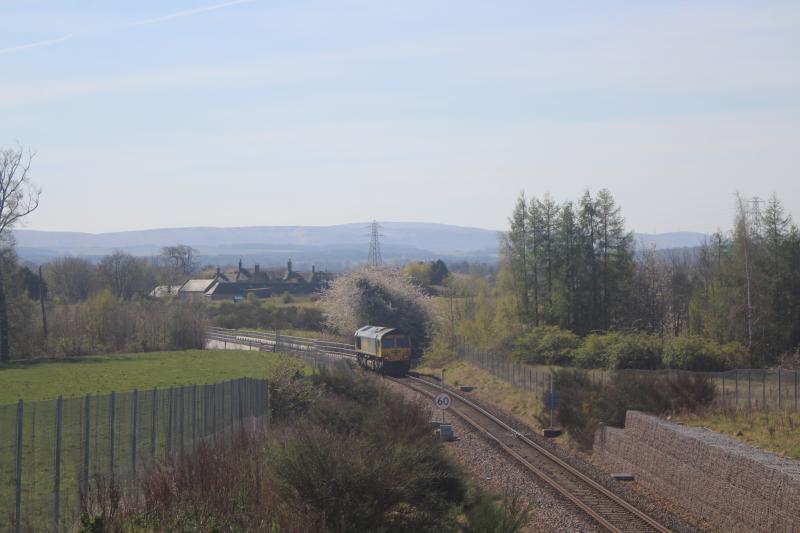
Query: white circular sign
(442, 401)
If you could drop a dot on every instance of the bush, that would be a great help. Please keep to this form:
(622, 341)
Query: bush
(489, 516)
(252, 313)
(635, 350)
(546, 345)
(692, 353)
(358, 458)
(594, 351)
(584, 404)
(734, 355)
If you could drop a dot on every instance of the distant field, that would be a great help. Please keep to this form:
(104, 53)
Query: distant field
(47, 379)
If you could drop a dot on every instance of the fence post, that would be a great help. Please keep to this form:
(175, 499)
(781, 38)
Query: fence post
(231, 414)
(214, 408)
(57, 466)
(764, 389)
(181, 408)
(134, 431)
(736, 395)
(205, 410)
(724, 404)
(18, 470)
(112, 405)
(749, 390)
(170, 421)
(153, 426)
(779, 389)
(795, 389)
(194, 414)
(84, 485)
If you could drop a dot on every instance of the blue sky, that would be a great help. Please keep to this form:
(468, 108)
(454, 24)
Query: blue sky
(180, 113)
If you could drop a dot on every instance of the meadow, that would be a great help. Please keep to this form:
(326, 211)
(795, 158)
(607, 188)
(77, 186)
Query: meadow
(46, 379)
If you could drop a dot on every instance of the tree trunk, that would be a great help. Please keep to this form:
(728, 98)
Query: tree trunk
(4, 348)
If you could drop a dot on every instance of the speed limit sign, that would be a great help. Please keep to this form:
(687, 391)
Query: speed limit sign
(442, 401)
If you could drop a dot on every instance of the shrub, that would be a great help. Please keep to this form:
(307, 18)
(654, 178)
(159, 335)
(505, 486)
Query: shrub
(489, 516)
(692, 353)
(594, 351)
(584, 404)
(547, 345)
(734, 355)
(635, 350)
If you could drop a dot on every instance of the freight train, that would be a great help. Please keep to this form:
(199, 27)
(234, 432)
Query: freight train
(383, 349)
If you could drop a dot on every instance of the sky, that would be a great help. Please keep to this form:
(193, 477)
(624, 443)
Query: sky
(169, 113)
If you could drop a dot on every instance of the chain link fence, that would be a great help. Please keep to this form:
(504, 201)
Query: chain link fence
(742, 389)
(53, 453)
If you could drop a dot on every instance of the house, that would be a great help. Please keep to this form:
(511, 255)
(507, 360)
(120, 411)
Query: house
(194, 290)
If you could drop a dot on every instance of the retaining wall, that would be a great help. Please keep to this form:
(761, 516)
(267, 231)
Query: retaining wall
(736, 486)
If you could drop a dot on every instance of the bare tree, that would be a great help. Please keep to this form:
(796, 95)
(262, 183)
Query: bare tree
(180, 257)
(18, 198)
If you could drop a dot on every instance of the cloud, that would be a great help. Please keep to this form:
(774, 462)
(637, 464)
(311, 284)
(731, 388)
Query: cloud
(136, 24)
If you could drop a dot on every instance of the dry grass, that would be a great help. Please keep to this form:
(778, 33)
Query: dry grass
(776, 432)
(524, 405)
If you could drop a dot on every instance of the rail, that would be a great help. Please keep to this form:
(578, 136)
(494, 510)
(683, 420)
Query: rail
(277, 342)
(605, 507)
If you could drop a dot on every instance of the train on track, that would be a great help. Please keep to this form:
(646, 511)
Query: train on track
(383, 349)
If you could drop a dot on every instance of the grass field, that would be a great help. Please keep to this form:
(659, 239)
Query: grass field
(777, 432)
(47, 379)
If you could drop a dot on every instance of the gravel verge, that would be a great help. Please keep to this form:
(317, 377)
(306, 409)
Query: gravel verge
(667, 513)
(493, 469)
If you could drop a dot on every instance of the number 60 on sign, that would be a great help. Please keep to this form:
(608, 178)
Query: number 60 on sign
(442, 401)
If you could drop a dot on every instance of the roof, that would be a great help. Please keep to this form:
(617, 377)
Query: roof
(227, 287)
(163, 290)
(374, 332)
(196, 285)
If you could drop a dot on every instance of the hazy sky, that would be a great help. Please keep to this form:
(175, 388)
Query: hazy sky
(179, 113)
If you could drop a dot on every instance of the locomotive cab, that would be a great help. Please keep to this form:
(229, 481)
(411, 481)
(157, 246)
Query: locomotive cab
(383, 349)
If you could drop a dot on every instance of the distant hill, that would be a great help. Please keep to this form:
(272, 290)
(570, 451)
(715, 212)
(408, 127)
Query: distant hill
(332, 247)
(664, 241)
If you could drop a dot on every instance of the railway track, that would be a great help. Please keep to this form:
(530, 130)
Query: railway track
(605, 507)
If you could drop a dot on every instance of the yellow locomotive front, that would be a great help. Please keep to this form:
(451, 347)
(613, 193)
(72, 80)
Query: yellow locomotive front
(383, 349)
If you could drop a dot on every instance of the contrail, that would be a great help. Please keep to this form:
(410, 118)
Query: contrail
(37, 44)
(187, 13)
(146, 22)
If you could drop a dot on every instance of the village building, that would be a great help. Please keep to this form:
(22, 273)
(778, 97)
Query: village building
(242, 282)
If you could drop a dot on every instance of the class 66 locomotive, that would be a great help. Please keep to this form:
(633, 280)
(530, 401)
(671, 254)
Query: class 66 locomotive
(383, 349)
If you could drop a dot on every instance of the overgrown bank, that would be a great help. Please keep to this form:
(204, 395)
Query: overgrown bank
(344, 454)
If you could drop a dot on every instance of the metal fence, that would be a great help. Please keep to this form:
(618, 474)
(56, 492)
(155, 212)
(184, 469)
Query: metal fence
(742, 389)
(52, 453)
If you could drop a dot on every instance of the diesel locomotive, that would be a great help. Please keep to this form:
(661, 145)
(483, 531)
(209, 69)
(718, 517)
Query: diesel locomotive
(383, 349)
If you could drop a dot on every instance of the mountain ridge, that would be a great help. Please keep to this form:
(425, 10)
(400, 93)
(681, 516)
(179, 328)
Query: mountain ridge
(341, 243)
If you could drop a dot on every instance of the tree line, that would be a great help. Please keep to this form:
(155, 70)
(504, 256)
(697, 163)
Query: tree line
(575, 265)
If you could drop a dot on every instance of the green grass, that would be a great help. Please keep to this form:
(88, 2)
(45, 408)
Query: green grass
(777, 432)
(47, 379)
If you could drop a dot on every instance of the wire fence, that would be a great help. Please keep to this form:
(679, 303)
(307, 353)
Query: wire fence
(742, 389)
(54, 453)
